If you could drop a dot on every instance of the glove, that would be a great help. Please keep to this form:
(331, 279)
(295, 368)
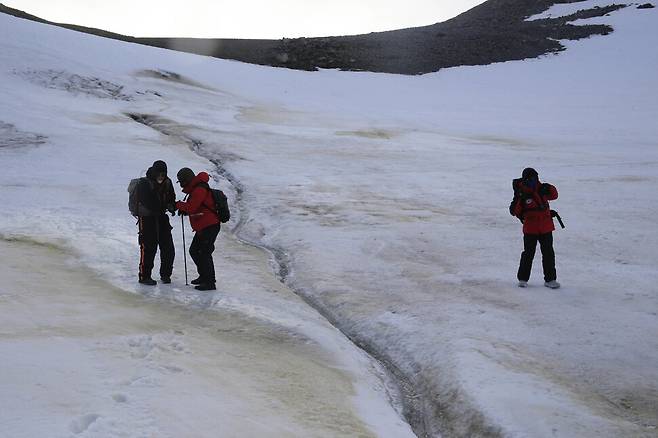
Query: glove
(171, 208)
(545, 189)
(178, 206)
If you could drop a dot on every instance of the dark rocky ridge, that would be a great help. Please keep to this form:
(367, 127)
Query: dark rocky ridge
(494, 31)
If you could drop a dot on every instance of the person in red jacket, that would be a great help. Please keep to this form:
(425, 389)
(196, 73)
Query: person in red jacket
(530, 205)
(200, 207)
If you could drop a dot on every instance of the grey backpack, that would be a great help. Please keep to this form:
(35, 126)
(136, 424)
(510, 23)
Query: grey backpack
(136, 208)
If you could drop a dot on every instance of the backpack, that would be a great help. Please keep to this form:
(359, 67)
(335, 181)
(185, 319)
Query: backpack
(517, 195)
(221, 204)
(135, 207)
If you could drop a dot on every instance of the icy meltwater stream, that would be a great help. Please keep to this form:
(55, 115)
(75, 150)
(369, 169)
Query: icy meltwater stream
(83, 358)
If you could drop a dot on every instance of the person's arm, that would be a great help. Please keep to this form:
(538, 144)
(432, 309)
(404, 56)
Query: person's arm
(548, 191)
(194, 204)
(517, 209)
(170, 197)
(512, 204)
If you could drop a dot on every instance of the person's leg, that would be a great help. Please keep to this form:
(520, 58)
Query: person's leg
(548, 257)
(207, 238)
(209, 248)
(528, 254)
(195, 253)
(167, 251)
(148, 244)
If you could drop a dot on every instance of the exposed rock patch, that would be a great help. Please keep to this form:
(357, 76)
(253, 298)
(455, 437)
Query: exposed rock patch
(76, 84)
(11, 138)
(494, 31)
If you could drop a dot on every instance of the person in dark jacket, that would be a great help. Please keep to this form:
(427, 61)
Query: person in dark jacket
(530, 205)
(200, 207)
(156, 195)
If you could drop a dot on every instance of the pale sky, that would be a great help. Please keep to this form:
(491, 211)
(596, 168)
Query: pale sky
(244, 18)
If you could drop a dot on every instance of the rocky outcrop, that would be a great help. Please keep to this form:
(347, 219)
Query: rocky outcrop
(494, 31)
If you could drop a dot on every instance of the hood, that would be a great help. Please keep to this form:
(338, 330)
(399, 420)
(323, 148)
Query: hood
(202, 177)
(529, 172)
(160, 166)
(157, 168)
(528, 177)
(153, 173)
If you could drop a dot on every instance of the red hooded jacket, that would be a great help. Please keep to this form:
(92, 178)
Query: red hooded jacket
(200, 205)
(533, 208)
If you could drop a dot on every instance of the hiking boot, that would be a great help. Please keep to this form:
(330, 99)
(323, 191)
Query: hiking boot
(197, 280)
(552, 284)
(148, 281)
(165, 280)
(206, 286)
(523, 283)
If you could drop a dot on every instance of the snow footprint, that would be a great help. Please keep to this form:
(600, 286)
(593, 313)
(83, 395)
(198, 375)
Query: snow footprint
(141, 346)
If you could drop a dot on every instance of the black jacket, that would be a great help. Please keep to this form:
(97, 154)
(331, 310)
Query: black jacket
(157, 198)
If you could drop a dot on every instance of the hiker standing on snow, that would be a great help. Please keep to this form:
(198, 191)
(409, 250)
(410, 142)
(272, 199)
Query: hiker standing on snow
(530, 205)
(200, 207)
(156, 195)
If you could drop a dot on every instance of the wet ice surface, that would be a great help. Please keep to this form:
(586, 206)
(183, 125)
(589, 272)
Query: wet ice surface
(82, 358)
(387, 198)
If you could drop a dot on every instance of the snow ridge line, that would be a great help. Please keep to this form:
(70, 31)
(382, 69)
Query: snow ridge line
(426, 415)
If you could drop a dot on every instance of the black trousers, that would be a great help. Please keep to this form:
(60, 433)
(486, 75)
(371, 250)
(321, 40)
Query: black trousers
(201, 249)
(154, 232)
(528, 254)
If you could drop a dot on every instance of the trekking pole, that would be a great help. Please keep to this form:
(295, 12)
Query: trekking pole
(182, 227)
(556, 215)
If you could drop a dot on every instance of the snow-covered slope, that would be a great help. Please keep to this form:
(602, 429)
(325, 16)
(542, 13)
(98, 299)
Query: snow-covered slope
(81, 360)
(384, 200)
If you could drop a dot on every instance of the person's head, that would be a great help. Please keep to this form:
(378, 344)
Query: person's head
(185, 176)
(530, 177)
(159, 171)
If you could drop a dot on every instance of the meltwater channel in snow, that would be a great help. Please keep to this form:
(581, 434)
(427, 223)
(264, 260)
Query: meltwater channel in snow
(380, 200)
(81, 356)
